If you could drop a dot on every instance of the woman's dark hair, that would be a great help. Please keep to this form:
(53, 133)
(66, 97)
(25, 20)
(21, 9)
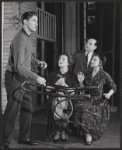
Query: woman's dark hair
(102, 57)
(70, 61)
(28, 15)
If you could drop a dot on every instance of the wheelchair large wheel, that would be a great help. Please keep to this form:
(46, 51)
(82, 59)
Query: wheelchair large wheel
(62, 108)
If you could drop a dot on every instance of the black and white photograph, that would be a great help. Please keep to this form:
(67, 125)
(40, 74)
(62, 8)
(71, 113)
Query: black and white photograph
(61, 74)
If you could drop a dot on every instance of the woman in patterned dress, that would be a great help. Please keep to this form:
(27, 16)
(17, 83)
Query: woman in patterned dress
(62, 77)
(94, 112)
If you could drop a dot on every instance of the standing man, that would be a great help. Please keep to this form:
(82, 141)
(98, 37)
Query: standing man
(82, 60)
(19, 70)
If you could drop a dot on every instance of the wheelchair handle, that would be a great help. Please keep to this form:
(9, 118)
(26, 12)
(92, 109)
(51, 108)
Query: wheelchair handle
(23, 84)
(58, 87)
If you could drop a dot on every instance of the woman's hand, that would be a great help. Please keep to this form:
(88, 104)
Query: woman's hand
(61, 82)
(109, 94)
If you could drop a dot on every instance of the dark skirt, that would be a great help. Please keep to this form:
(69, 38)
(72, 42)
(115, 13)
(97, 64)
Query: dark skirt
(92, 117)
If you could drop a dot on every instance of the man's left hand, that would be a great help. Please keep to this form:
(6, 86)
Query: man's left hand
(42, 64)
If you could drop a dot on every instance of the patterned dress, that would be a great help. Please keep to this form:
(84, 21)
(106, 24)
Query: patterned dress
(94, 113)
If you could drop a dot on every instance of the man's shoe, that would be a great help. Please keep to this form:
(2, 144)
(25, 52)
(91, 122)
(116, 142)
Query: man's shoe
(27, 142)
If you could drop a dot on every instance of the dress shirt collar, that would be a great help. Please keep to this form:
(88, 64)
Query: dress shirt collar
(90, 53)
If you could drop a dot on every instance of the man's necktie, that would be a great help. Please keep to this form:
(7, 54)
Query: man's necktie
(87, 58)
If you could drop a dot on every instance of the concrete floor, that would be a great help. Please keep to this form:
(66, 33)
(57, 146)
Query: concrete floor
(110, 139)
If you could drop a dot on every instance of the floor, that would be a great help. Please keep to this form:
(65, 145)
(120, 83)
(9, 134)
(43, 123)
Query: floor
(110, 139)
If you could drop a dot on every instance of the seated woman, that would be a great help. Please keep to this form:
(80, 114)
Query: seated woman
(94, 112)
(62, 77)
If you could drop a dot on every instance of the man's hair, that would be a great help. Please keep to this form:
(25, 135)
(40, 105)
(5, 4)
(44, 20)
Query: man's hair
(96, 41)
(28, 15)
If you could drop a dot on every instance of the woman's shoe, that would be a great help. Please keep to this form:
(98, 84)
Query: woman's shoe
(88, 139)
(56, 137)
(64, 136)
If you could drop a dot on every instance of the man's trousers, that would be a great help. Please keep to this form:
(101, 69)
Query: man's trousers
(18, 101)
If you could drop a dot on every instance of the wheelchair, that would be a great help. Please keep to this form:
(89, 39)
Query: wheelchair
(61, 106)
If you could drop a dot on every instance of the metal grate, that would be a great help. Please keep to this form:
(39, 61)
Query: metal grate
(47, 25)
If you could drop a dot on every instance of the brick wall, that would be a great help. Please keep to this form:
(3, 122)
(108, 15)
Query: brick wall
(9, 30)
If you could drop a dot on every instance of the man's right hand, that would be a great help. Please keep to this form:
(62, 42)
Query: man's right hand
(41, 81)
